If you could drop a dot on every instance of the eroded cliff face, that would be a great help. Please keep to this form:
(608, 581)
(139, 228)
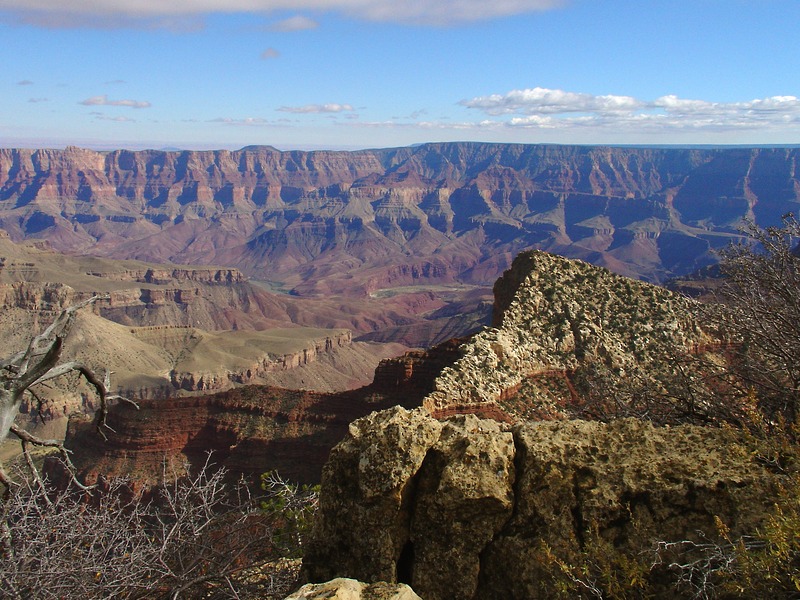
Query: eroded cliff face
(436, 213)
(465, 508)
(554, 317)
(250, 430)
(553, 320)
(36, 278)
(172, 329)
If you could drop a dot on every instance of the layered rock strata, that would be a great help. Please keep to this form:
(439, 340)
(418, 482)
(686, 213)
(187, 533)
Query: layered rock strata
(248, 430)
(434, 213)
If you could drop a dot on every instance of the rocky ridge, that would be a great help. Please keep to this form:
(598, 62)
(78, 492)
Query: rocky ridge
(554, 317)
(627, 325)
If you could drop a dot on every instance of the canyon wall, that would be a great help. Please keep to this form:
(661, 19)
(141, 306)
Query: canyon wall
(359, 222)
(555, 317)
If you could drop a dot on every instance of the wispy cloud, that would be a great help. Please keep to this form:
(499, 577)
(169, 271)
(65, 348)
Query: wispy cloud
(25, 82)
(115, 82)
(118, 119)
(546, 101)
(542, 108)
(317, 108)
(246, 122)
(296, 23)
(36, 100)
(182, 14)
(104, 101)
(270, 53)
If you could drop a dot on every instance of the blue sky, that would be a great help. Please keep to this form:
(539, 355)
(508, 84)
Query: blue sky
(377, 73)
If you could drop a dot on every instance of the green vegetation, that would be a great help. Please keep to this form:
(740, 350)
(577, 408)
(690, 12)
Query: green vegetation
(714, 564)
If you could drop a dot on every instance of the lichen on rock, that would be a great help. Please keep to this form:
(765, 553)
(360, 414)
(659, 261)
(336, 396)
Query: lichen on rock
(559, 315)
(468, 516)
(350, 589)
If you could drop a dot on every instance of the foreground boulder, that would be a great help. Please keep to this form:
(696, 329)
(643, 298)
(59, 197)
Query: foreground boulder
(350, 589)
(469, 508)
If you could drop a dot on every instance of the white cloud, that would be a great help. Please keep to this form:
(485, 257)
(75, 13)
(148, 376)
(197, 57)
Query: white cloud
(296, 23)
(121, 120)
(270, 53)
(426, 125)
(546, 101)
(542, 108)
(104, 101)
(246, 122)
(37, 100)
(25, 82)
(102, 117)
(157, 13)
(317, 108)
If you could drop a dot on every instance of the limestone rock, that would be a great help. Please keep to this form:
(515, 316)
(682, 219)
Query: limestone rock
(464, 498)
(462, 509)
(380, 456)
(350, 589)
(557, 318)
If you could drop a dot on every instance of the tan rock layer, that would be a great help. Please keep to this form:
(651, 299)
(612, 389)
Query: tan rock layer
(461, 509)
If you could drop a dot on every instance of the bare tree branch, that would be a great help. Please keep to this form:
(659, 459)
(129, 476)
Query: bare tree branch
(193, 537)
(38, 364)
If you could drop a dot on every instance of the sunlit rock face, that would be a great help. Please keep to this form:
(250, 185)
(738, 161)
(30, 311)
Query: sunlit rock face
(464, 508)
(357, 222)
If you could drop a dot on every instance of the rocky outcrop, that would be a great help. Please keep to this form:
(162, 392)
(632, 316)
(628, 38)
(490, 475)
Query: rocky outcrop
(464, 508)
(434, 213)
(556, 319)
(416, 371)
(350, 589)
(553, 320)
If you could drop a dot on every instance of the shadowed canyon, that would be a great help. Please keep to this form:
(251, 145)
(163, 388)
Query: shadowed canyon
(411, 327)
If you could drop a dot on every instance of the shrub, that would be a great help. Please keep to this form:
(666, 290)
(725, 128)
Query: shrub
(193, 538)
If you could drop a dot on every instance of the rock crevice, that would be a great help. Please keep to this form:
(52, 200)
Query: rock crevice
(489, 497)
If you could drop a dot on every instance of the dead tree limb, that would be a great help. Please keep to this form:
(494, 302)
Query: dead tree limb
(37, 364)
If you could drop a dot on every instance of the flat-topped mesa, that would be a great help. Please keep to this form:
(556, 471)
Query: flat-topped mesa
(223, 377)
(241, 177)
(168, 275)
(554, 317)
